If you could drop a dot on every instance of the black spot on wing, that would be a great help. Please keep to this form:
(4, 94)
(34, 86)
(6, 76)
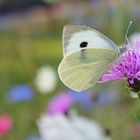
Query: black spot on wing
(83, 44)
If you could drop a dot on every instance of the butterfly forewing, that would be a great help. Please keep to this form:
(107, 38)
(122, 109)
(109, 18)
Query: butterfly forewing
(75, 35)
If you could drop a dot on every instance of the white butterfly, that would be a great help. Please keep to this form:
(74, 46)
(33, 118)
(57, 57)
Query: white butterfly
(87, 55)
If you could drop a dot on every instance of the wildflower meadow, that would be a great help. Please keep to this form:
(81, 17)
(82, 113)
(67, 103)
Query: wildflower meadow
(34, 102)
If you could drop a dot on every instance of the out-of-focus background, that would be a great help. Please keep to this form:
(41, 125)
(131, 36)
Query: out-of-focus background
(30, 52)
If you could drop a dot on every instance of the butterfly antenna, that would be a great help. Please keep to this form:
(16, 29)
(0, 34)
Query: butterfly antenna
(126, 38)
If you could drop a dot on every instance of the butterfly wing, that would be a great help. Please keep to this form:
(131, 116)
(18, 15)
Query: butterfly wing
(82, 73)
(87, 55)
(74, 35)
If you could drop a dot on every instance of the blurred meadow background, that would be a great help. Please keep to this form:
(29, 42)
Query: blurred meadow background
(30, 52)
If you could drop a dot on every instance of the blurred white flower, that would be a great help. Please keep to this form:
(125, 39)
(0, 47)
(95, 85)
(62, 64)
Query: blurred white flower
(46, 79)
(134, 37)
(60, 127)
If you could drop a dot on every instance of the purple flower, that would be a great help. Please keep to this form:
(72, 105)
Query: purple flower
(107, 97)
(59, 104)
(127, 67)
(20, 93)
(88, 100)
(84, 99)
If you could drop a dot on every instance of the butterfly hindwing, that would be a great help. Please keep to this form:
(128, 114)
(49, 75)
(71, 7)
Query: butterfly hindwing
(80, 75)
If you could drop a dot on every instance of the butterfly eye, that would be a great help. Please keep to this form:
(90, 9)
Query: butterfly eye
(83, 44)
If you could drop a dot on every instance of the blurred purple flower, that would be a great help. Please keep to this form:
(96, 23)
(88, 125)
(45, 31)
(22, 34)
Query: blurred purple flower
(107, 97)
(83, 99)
(59, 104)
(94, 3)
(89, 101)
(20, 93)
(128, 67)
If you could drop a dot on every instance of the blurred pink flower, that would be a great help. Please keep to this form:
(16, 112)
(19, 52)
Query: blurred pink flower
(60, 104)
(128, 66)
(5, 124)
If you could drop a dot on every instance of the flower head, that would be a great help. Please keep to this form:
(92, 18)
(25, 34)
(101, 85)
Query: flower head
(60, 104)
(84, 99)
(46, 79)
(20, 93)
(5, 124)
(75, 127)
(127, 67)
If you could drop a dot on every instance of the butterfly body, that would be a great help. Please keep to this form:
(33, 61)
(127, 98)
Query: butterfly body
(87, 55)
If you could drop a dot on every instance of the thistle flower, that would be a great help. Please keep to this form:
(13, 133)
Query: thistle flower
(127, 67)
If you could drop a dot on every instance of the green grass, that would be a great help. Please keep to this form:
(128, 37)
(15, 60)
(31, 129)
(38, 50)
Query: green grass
(20, 57)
